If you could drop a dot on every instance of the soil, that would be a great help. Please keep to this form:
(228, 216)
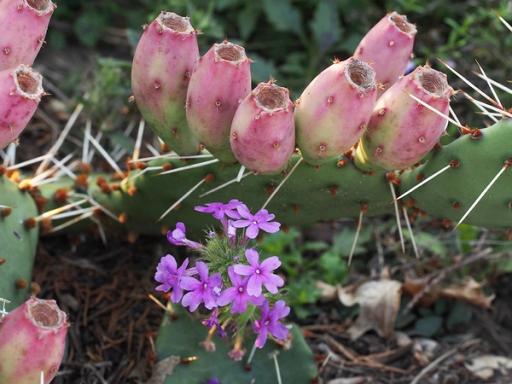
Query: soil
(114, 324)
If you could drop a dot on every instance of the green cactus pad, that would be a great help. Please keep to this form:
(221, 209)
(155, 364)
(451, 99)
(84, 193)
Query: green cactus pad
(311, 194)
(182, 338)
(17, 244)
(454, 191)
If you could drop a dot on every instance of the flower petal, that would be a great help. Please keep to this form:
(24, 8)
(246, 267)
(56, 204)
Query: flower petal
(252, 257)
(270, 264)
(202, 269)
(226, 297)
(272, 282)
(244, 211)
(262, 337)
(189, 283)
(191, 300)
(279, 331)
(241, 223)
(270, 227)
(252, 231)
(243, 270)
(254, 285)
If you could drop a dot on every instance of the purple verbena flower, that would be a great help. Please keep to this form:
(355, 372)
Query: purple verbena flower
(237, 294)
(260, 273)
(269, 322)
(220, 210)
(178, 237)
(170, 276)
(262, 220)
(205, 290)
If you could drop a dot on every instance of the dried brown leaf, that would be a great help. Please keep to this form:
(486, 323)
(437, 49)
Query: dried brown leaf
(379, 302)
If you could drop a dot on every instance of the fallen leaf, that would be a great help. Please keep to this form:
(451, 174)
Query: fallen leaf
(485, 366)
(379, 302)
(469, 291)
(163, 369)
(349, 380)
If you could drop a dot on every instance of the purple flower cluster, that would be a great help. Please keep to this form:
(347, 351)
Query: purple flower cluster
(234, 287)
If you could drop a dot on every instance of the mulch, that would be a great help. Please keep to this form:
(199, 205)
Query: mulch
(114, 324)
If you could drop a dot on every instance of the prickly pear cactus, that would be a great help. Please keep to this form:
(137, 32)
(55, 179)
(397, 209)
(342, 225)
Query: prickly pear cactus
(474, 161)
(17, 243)
(182, 337)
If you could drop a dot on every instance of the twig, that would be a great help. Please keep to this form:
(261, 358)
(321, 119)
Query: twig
(439, 276)
(440, 359)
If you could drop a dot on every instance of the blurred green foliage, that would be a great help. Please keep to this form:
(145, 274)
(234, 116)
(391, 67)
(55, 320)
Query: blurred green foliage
(291, 40)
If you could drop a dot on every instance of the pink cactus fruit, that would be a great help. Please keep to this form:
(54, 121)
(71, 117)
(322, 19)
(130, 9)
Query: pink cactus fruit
(387, 47)
(21, 90)
(23, 24)
(164, 60)
(262, 133)
(334, 109)
(402, 131)
(220, 82)
(32, 340)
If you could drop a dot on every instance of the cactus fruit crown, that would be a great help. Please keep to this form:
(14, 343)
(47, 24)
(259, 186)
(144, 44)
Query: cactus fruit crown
(230, 52)
(432, 81)
(361, 75)
(45, 314)
(271, 97)
(28, 82)
(42, 6)
(402, 23)
(175, 22)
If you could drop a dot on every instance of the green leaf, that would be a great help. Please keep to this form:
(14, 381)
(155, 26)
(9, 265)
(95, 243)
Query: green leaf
(247, 19)
(428, 326)
(89, 28)
(325, 25)
(262, 69)
(283, 16)
(460, 314)
(182, 337)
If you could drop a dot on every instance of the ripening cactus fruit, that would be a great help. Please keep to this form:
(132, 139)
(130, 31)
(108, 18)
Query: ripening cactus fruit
(21, 90)
(220, 82)
(263, 133)
(334, 109)
(387, 47)
(32, 340)
(164, 60)
(24, 24)
(402, 131)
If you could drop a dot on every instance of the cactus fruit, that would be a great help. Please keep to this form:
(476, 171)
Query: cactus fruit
(32, 342)
(220, 82)
(182, 337)
(24, 25)
(18, 241)
(387, 47)
(20, 93)
(402, 131)
(164, 60)
(334, 109)
(263, 133)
